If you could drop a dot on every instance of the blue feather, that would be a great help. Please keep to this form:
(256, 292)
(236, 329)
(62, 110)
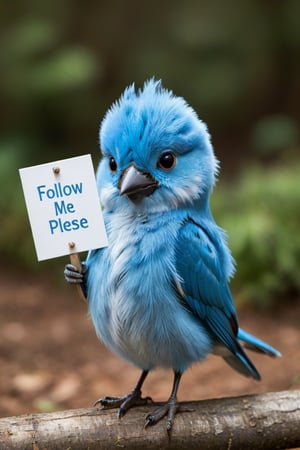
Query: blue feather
(256, 345)
(206, 290)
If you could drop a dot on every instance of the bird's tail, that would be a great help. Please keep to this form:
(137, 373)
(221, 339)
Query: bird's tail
(253, 343)
(239, 360)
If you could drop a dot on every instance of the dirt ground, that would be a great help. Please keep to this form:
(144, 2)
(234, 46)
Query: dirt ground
(51, 359)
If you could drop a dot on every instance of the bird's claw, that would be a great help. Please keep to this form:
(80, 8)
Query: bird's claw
(169, 409)
(72, 275)
(109, 402)
(132, 400)
(124, 403)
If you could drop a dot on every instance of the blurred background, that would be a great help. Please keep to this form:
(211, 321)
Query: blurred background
(62, 64)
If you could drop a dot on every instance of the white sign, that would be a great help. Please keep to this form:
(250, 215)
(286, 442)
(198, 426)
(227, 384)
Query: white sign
(63, 207)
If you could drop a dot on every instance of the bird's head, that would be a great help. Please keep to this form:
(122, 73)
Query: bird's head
(157, 153)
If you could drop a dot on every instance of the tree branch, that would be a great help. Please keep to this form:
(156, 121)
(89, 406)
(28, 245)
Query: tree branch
(268, 421)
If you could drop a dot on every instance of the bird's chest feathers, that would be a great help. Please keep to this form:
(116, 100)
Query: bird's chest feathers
(134, 305)
(139, 292)
(141, 254)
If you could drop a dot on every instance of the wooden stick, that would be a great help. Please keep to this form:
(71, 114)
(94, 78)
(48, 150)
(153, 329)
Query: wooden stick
(268, 421)
(75, 260)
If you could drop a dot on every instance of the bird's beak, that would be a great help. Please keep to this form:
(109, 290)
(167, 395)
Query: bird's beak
(136, 184)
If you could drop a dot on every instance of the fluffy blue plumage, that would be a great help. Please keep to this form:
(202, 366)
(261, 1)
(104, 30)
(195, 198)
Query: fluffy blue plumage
(158, 295)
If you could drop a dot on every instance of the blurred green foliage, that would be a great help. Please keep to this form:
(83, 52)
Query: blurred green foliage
(274, 133)
(15, 239)
(261, 215)
(236, 62)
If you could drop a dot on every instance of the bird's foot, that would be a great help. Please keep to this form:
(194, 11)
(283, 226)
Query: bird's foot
(72, 274)
(124, 403)
(168, 409)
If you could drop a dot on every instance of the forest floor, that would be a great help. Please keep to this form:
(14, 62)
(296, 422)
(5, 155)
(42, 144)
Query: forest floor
(51, 359)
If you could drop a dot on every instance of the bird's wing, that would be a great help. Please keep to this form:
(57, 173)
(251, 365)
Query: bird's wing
(205, 290)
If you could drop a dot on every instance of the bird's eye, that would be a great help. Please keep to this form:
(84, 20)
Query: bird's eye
(112, 164)
(166, 161)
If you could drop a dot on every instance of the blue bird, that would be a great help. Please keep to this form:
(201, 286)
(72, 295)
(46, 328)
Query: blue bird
(159, 294)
